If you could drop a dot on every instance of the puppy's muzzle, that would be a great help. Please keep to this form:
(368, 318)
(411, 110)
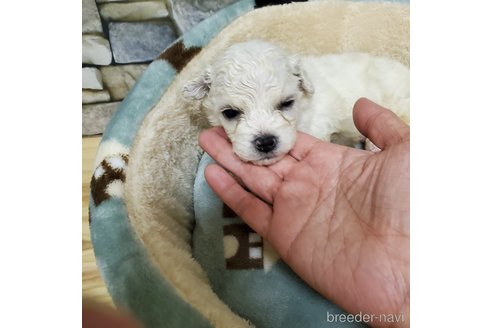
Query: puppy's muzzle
(265, 143)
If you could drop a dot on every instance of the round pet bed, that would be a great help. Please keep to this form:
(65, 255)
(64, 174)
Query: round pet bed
(169, 251)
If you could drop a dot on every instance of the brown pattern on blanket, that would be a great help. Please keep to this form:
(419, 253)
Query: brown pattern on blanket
(178, 55)
(249, 254)
(111, 169)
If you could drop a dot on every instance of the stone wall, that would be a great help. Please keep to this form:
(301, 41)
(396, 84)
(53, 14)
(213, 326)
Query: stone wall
(120, 39)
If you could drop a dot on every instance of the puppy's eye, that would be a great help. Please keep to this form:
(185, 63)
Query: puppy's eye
(230, 113)
(286, 104)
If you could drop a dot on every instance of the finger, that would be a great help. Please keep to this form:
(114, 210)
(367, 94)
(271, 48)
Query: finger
(220, 131)
(284, 166)
(251, 209)
(259, 179)
(379, 124)
(304, 144)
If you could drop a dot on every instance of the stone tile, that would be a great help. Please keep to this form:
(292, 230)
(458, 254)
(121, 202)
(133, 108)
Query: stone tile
(95, 117)
(120, 79)
(95, 96)
(134, 11)
(95, 50)
(91, 78)
(140, 42)
(188, 13)
(91, 22)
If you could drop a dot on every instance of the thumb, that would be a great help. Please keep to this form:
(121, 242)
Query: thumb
(379, 124)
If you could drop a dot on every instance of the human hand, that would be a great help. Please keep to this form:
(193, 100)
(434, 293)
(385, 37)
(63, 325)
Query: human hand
(338, 216)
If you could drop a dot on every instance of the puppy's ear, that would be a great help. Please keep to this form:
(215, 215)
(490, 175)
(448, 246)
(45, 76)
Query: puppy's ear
(199, 87)
(297, 69)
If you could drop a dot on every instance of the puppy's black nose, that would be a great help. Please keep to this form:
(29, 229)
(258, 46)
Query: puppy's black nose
(265, 143)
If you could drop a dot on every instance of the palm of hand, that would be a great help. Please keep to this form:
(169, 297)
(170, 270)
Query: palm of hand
(325, 225)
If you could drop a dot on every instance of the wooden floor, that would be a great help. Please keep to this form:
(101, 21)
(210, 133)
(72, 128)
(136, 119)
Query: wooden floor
(93, 288)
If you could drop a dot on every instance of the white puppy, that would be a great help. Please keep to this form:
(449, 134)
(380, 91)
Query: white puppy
(261, 94)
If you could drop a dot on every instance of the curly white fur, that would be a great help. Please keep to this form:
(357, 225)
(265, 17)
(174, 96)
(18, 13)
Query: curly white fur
(261, 94)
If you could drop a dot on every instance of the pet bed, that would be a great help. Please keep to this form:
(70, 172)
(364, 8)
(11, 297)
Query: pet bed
(169, 250)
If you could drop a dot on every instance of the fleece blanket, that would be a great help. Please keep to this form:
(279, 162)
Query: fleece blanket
(145, 223)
